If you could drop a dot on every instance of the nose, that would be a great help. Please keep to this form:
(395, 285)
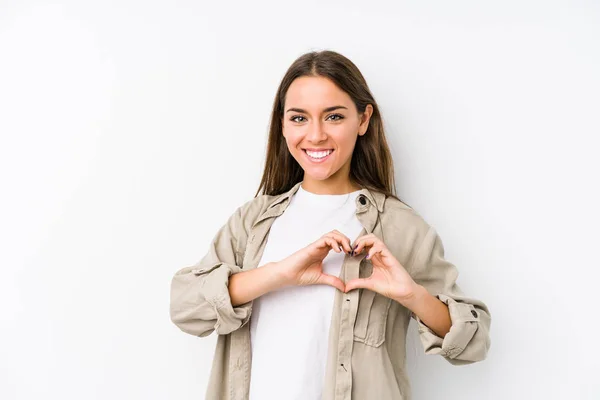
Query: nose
(316, 133)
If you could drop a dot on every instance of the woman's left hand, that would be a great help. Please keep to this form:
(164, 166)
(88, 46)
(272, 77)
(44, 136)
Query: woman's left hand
(389, 277)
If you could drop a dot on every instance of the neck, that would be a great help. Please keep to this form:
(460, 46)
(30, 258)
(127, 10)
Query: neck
(329, 186)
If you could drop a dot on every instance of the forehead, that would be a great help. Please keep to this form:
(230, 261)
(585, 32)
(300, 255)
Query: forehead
(315, 92)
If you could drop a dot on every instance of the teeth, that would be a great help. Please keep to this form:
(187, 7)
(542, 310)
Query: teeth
(318, 154)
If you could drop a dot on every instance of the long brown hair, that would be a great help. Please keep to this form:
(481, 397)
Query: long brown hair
(371, 166)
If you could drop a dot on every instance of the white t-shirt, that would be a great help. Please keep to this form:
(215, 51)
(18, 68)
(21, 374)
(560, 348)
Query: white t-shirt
(289, 328)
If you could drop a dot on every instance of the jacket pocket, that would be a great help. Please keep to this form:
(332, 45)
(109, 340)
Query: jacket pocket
(371, 318)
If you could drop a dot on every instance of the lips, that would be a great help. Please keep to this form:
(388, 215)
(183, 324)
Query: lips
(317, 160)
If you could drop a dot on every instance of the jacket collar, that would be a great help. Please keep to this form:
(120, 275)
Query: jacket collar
(375, 198)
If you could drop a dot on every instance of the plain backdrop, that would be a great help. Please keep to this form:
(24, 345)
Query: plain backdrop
(131, 130)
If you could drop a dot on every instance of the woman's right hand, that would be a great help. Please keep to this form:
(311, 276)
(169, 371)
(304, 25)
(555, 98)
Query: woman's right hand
(305, 267)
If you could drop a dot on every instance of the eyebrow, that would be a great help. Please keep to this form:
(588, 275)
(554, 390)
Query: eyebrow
(324, 110)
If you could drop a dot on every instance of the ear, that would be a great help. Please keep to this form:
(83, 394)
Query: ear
(364, 120)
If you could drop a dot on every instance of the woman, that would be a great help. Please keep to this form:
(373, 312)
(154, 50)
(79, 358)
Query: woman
(296, 320)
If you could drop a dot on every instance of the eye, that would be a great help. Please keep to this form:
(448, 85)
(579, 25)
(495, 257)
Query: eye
(337, 115)
(296, 116)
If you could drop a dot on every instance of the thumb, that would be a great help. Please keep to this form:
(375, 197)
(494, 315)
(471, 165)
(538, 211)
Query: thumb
(359, 283)
(331, 281)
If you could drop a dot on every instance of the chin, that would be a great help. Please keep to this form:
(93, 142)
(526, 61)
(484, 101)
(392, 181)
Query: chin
(316, 176)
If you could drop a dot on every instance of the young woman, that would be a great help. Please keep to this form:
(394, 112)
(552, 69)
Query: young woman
(295, 319)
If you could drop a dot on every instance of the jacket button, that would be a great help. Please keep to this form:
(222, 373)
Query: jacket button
(474, 313)
(362, 200)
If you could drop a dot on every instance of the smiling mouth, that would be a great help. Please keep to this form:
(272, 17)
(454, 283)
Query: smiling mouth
(318, 156)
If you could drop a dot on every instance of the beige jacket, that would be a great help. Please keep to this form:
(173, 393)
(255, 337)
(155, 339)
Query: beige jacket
(366, 358)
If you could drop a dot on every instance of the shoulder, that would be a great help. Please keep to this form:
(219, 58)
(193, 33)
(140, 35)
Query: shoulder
(402, 222)
(395, 210)
(251, 210)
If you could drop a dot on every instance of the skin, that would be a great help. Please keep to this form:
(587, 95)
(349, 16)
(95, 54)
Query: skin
(309, 122)
(315, 127)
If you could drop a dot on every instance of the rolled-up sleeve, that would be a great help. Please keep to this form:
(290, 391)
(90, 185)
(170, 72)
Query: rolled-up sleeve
(200, 302)
(468, 340)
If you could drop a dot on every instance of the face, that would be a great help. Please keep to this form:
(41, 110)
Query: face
(321, 125)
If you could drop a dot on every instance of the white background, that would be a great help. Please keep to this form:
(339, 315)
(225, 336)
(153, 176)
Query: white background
(131, 130)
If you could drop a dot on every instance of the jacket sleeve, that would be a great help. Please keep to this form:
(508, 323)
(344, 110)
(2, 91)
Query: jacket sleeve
(468, 340)
(200, 302)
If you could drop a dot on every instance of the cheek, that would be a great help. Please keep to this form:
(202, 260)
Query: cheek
(345, 139)
(292, 138)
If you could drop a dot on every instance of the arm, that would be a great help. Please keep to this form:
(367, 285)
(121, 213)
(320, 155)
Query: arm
(215, 294)
(467, 339)
(200, 300)
(249, 285)
(303, 267)
(431, 311)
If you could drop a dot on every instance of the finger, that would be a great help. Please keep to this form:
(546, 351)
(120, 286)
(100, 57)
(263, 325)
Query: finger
(331, 281)
(365, 243)
(333, 244)
(345, 240)
(359, 283)
(372, 251)
(368, 235)
(326, 241)
(341, 239)
(334, 239)
(378, 249)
